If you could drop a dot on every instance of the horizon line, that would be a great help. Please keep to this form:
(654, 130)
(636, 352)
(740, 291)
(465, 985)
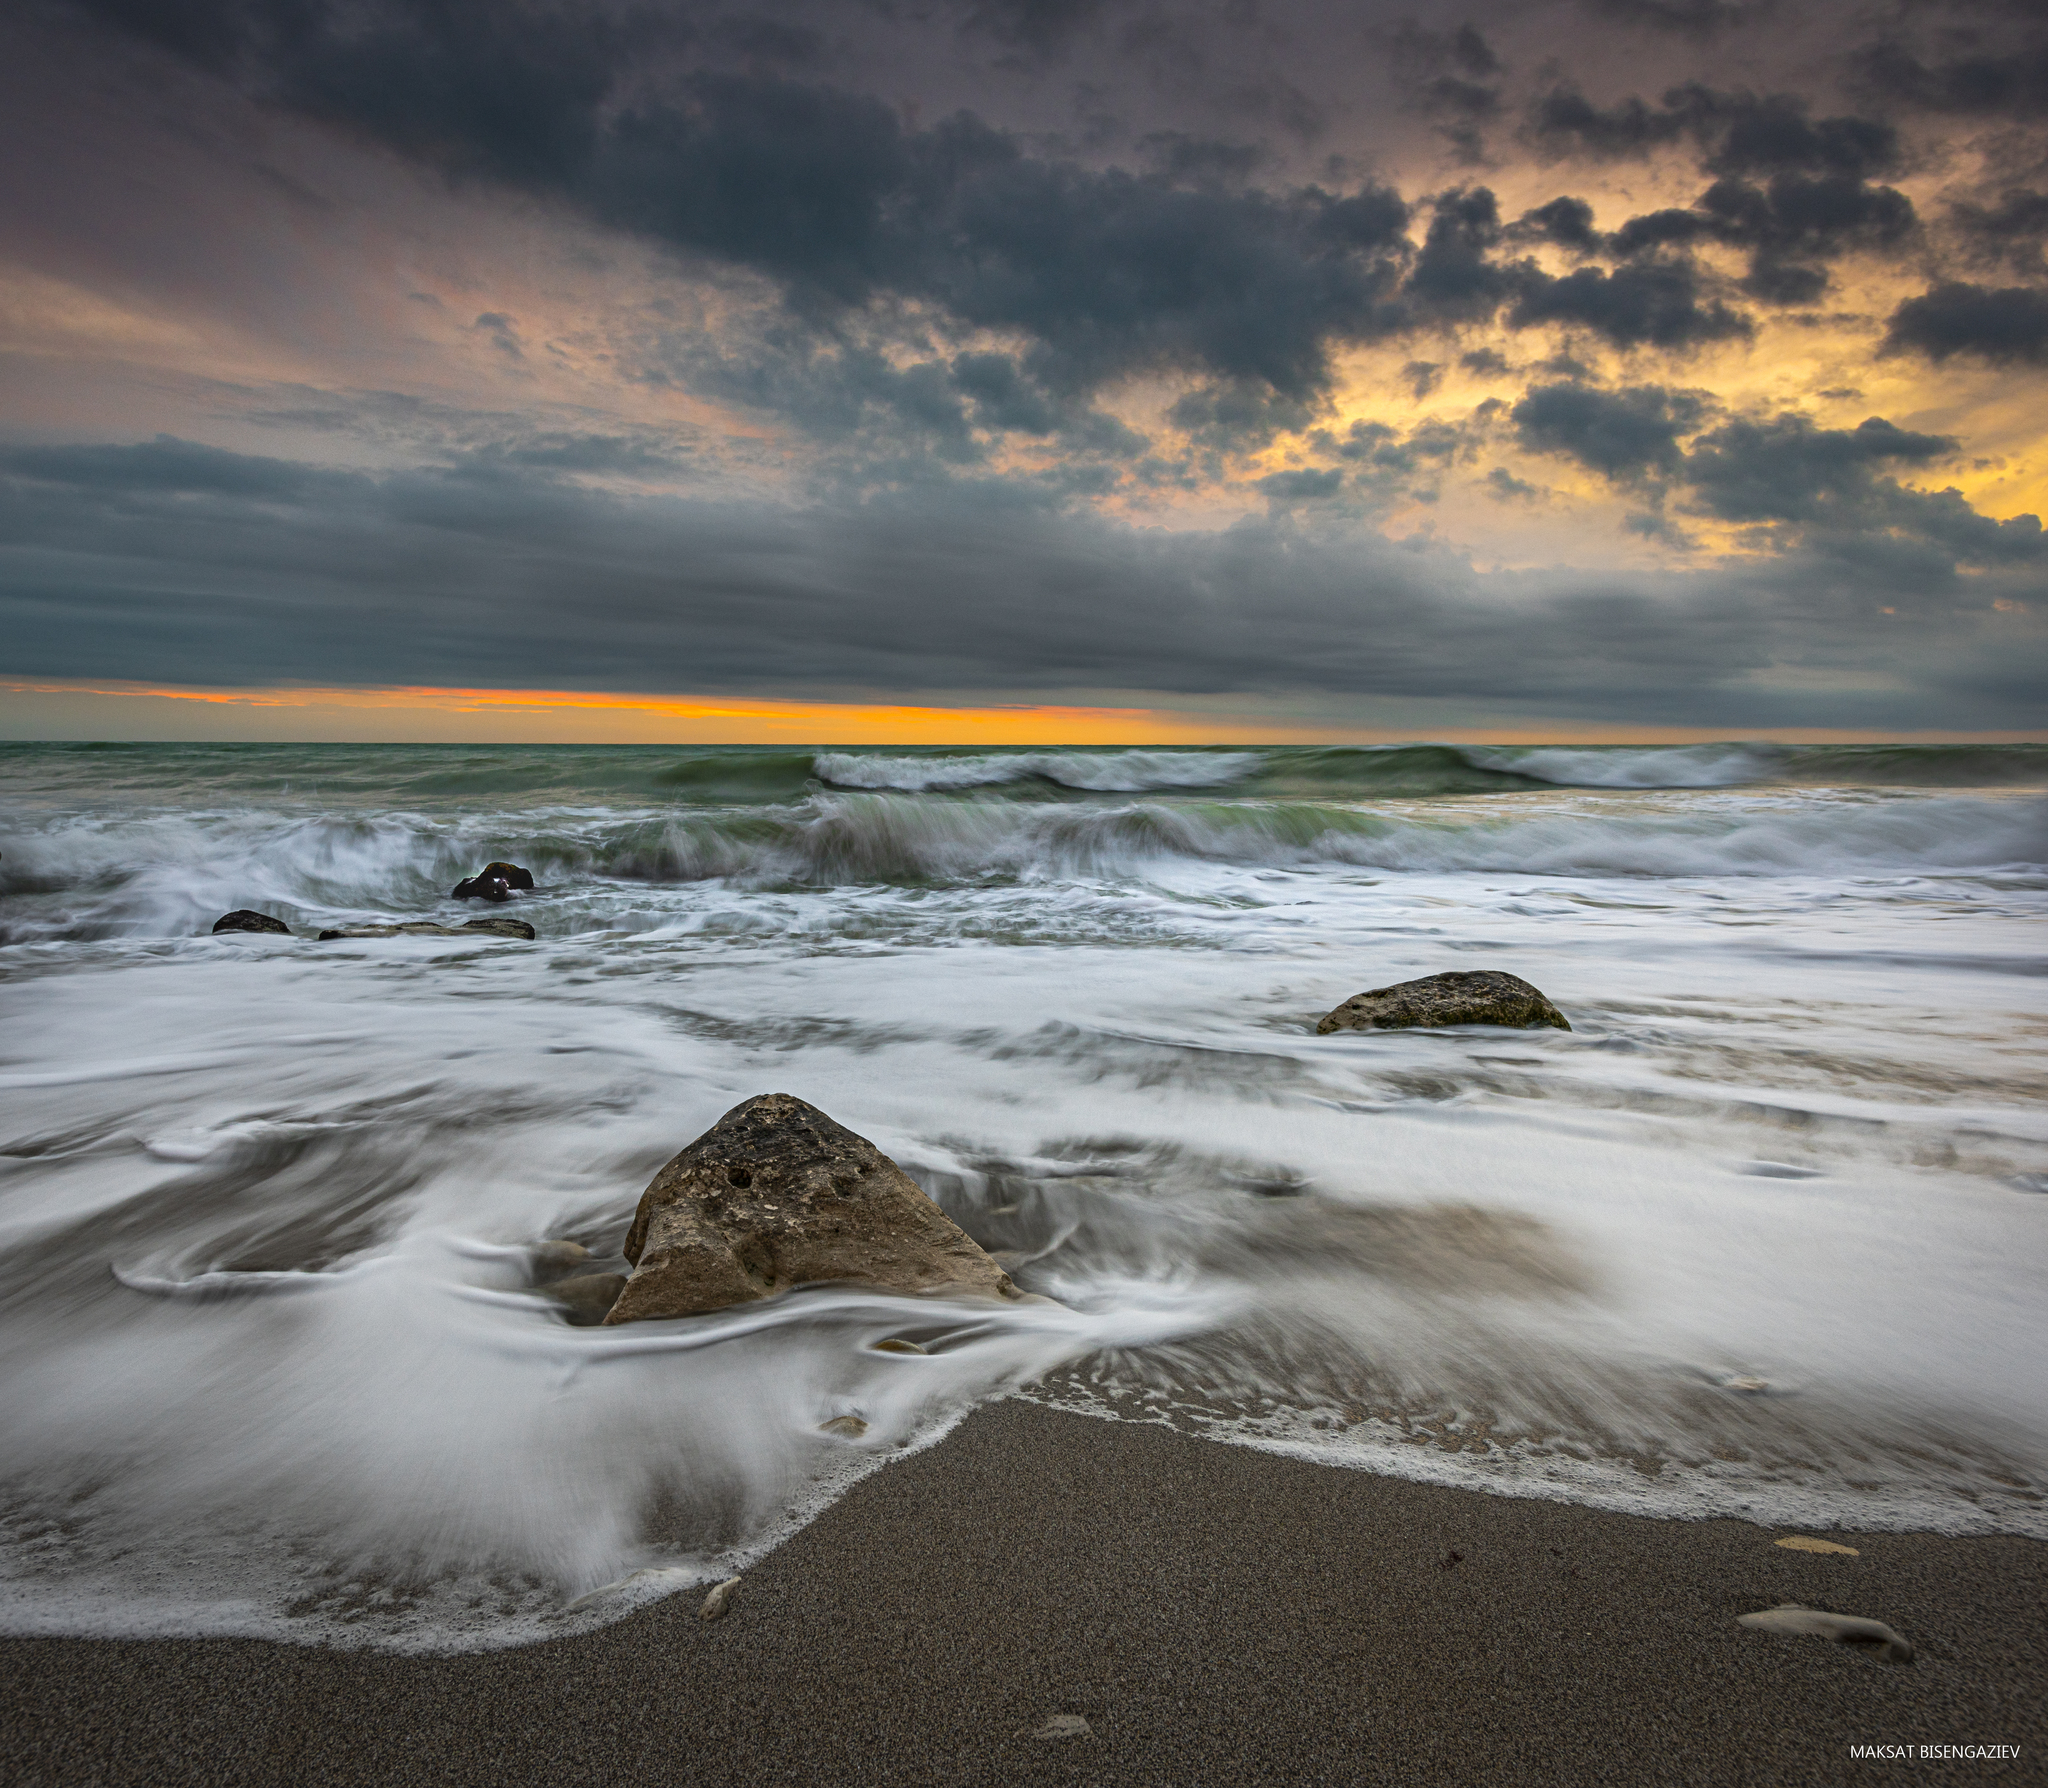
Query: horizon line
(74, 711)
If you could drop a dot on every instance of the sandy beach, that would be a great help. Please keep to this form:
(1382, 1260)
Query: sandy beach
(1214, 1613)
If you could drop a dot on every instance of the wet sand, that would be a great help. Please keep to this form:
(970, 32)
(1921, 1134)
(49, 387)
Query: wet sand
(1216, 1615)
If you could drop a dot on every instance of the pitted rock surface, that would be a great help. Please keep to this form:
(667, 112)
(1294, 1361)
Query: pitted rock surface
(776, 1195)
(1474, 996)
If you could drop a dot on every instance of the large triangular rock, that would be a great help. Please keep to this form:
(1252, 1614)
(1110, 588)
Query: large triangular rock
(776, 1195)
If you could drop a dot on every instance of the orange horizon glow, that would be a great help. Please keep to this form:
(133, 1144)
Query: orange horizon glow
(316, 713)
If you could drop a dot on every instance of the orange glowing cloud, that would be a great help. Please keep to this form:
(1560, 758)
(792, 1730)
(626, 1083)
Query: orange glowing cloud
(559, 715)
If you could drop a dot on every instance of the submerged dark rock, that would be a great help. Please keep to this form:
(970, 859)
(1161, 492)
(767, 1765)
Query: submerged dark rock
(241, 919)
(1472, 996)
(588, 1296)
(552, 1259)
(494, 881)
(776, 1195)
(427, 928)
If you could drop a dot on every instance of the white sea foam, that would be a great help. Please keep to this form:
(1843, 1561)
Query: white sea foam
(270, 1355)
(1660, 766)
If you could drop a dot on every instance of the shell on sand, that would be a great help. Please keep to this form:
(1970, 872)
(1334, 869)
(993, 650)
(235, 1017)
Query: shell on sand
(1799, 1542)
(1847, 1629)
(719, 1600)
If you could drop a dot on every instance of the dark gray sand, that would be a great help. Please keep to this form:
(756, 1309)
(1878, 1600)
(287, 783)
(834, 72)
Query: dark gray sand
(1216, 1615)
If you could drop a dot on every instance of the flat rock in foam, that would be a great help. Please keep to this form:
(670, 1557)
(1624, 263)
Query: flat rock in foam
(776, 1195)
(426, 928)
(1472, 996)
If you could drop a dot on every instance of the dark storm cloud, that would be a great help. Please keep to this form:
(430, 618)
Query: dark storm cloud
(169, 562)
(769, 40)
(1184, 267)
(1446, 75)
(947, 270)
(1793, 221)
(1810, 490)
(1736, 132)
(1793, 190)
(829, 192)
(1043, 27)
(1453, 276)
(1625, 435)
(1303, 486)
(1567, 222)
(1384, 465)
(1238, 417)
(1199, 161)
(1785, 469)
(2003, 324)
(1689, 18)
(2008, 81)
(1421, 53)
(1566, 122)
(1658, 304)
(2013, 230)
(1786, 225)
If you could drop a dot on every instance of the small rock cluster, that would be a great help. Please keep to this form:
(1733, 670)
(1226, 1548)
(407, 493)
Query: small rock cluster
(493, 882)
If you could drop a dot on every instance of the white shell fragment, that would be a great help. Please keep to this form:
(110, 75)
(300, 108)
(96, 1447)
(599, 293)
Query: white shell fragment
(1847, 1629)
(719, 1600)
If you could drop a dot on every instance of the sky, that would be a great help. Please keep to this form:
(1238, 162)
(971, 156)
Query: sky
(1023, 369)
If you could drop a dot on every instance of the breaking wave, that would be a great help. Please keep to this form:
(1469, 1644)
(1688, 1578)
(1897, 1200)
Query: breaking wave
(170, 875)
(880, 838)
(426, 778)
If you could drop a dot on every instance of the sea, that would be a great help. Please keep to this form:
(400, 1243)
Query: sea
(1764, 1234)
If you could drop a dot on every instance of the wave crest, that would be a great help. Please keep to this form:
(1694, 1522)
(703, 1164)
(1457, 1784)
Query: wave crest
(1098, 772)
(837, 840)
